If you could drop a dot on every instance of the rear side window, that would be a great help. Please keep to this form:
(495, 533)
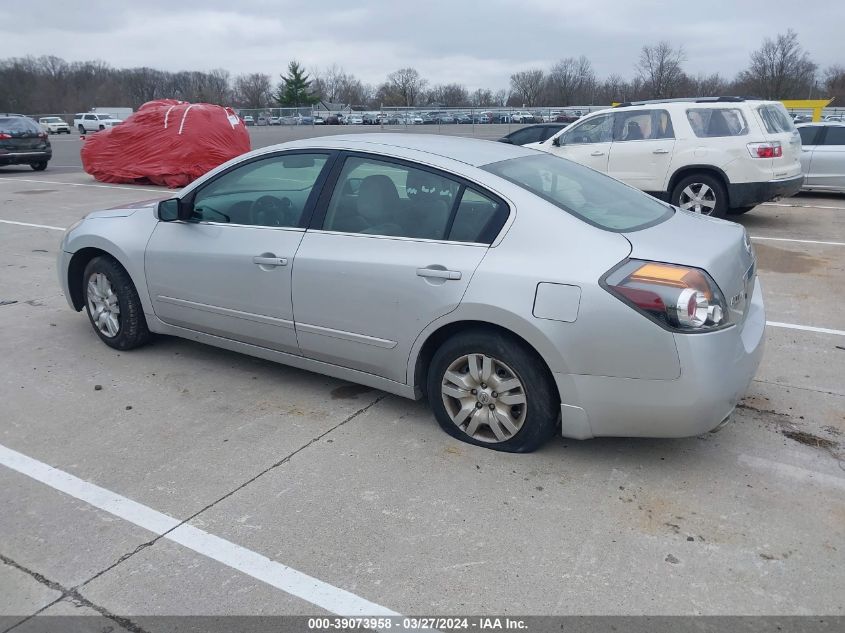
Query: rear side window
(15, 125)
(642, 125)
(835, 136)
(716, 122)
(589, 195)
(775, 118)
(479, 218)
(809, 135)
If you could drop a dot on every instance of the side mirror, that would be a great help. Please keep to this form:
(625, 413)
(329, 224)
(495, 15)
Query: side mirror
(168, 210)
(556, 141)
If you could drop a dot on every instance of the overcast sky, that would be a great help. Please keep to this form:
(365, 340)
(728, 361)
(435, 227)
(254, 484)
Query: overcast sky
(478, 44)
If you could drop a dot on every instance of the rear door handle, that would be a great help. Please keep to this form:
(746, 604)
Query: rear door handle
(439, 273)
(270, 261)
(661, 151)
(597, 154)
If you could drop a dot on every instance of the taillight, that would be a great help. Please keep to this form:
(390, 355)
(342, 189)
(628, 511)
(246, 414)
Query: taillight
(680, 297)
(42, 135)
(4, 136)
(765, 150)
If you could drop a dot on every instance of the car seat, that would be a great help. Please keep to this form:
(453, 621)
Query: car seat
(378, 202)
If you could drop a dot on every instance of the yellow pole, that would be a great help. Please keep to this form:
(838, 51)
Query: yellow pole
(816, 105)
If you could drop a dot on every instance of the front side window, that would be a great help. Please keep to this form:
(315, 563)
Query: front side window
(272, 191)
(716, 122)
(376, 197)
(589, 195)
(598, 129)
(835, 135)
(775, 118)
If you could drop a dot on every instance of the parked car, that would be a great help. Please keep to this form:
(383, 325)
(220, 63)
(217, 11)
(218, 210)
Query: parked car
(823, 156)
(94, 121)
(532, 133)
(836, 118)
(334, 119)
(318, 120)
(353, 118)
(522, 117)
(563, 117)
(802, 118)
(594, 330)
(462, 117)
(23, 142)
(248, 120)
(54, 125)
(482, 117)
(274, 120)
(710, 155)
(263, 120)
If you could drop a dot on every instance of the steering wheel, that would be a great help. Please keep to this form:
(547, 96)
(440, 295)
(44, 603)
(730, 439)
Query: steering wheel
(272, 211)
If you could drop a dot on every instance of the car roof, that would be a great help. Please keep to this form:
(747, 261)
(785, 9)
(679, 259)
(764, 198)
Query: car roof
(822, 124)
(475, 152)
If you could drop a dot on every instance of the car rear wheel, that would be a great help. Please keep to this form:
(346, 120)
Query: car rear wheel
(491, 390)
(81, 129)
(39, 166)
(701, 193)
(113, 306)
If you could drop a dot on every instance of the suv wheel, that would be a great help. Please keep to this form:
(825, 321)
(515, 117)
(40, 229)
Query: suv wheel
(39, 166)
(701, 193)
(81, 129)
(490, 390)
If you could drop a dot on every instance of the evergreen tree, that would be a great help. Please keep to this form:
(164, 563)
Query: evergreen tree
(295, 88)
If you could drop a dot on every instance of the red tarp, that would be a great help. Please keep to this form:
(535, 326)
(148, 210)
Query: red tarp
(166, 142)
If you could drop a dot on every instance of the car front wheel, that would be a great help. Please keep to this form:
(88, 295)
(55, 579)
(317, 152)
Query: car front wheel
(39, 166)
(490, 390)
(701, 193)
(113, 306)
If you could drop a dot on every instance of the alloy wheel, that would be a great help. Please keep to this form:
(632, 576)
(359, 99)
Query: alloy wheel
(484, 398)
(103, 305)
(698, 197)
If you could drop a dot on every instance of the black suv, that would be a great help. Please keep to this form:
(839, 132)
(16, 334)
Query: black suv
(23, 142)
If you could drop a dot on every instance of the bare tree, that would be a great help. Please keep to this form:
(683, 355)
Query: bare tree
(780, 69)
(406, 86)
(501, 97)
(834, 83)
(660, 69)
(481, 98)
(450, 95)
(571, 81)
(252, 90)
(527, 85)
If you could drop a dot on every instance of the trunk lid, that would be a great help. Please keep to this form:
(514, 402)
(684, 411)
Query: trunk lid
(719, 247)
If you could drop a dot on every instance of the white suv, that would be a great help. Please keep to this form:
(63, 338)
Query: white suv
(716, 156)
(94, 121)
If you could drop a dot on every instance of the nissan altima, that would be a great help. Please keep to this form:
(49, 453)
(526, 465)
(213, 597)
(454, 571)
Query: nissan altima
(522, 294)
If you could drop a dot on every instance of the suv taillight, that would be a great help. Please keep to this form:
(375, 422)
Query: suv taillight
(680, 297)
(765, 150)
(4, 136)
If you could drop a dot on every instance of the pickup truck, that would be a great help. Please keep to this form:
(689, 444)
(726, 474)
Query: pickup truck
(54, 125)
(94, 121)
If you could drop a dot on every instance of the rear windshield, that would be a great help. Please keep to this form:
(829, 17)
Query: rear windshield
(18, 125)
(586, 194)
(775, 118)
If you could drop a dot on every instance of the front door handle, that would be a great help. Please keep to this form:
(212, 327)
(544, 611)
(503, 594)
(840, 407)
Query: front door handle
(270, 261)
(597, 153)
(439, 273)
(660, 151)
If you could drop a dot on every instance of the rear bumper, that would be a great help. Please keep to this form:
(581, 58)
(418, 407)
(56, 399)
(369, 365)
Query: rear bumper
(747, 194)
(25, 157)
(716, 369)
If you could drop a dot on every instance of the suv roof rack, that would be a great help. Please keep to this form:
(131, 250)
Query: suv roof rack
(725, 99)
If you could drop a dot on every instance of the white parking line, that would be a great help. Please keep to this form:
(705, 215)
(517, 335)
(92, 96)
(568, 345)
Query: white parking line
(806, 328)
(37, 226)
(162, 190)
(289, 580)
(800, 206)
(785, 239)
(795, 472)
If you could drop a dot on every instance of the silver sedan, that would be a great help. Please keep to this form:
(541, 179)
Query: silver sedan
(823, 156)
(522, 294)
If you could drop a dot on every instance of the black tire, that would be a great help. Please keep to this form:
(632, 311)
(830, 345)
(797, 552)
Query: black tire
(542, 408)
(102, 127)
(715, 185)
(81, 128)
(741, 210)
(132, 331)
(39, 166)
